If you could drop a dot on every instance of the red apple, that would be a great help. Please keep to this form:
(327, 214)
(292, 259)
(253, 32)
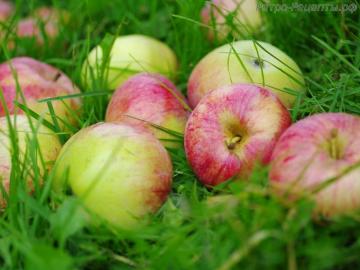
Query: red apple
(151, 98)
(245, 18)
(37, 81)
(315, 150)
(119, 170)
(231, 129)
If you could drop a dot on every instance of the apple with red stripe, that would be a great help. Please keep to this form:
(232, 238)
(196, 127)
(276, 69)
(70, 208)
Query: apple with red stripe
(319, 157)
(231, 129)
(37, 80)
(154, 99)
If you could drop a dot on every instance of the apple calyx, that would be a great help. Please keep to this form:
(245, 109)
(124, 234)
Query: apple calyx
(334, 145)
(259, 62)
(231, 142)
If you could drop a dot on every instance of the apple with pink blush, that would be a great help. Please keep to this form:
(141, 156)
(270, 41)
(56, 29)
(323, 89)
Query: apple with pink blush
(30, 28)
(44, 21)
(247, 61)
(231, 130)
(154, 99)
(6, 9)
(319, 157)
(120, 171)
(37, 80)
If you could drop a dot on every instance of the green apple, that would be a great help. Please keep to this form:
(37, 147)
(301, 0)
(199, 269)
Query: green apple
(33, 139)
(128, 55)
(247, 61)
(120, 172)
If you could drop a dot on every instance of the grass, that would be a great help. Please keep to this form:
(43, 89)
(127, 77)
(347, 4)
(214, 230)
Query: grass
(256, 231)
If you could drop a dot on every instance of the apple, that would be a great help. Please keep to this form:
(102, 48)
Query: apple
(31, 28)
(244, 18)
(46, 151)
(151, 98)
(247, 61)
(231, 129)
(37, 80)
(129, 55)
(6, 9)
(311, 159)
(120, 171)
(44, 21)
(47, 14)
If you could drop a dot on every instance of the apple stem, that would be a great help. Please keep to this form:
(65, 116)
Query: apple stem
(57, 76)
(231, 142)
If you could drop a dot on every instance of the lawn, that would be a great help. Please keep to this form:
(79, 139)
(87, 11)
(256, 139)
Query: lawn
(256, 230)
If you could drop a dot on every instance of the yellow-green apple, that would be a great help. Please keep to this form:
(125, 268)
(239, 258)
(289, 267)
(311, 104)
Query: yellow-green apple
(6, 9)
(238, 17)
(37, 80)
(231, 129)
(120, 171)
(247, 61)
(318, 157)
(129, 55)
(29, 133)
(151, 98)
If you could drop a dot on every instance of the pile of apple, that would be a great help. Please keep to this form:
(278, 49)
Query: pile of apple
(236, 117)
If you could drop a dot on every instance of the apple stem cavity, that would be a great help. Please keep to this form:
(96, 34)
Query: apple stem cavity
(231, 142)
(334, 145)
